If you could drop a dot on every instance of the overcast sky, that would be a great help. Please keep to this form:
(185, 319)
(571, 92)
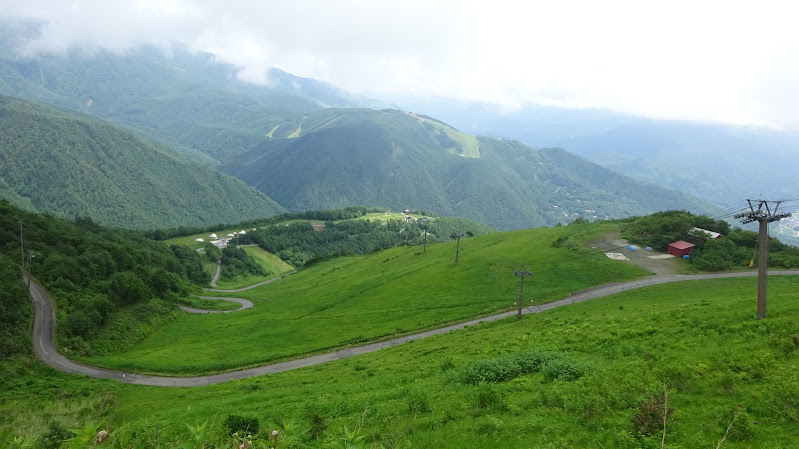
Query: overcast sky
(726, 61)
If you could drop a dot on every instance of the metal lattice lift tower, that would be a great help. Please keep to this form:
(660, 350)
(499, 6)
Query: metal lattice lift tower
(765, 213)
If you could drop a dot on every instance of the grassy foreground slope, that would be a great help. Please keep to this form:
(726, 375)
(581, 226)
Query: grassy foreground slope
(698, 340)
(358, 299)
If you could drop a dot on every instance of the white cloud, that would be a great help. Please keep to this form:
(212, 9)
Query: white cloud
(708, 60)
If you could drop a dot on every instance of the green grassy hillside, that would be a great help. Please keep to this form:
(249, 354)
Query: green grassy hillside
(68, 165)
(400, 160)
(357, 299)
(597, 373)
(609, 362)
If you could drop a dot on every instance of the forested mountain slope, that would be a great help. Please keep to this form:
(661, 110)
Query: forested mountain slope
(336, 158)
(188, 98)
(112, 286)
(63, 164)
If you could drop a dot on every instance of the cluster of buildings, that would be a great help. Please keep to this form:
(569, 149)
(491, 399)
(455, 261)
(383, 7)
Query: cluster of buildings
(681, 248)
(222, 242)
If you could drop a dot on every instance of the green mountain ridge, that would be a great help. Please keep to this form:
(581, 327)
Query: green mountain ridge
(66, 165)
(289, 140)
(189, 98)
(340, 157)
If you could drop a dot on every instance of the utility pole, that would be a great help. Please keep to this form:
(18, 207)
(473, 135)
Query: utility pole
(523, 272)
(30, 266)
(22, 248)
(424, 229)
(764, 214)
(457, 235)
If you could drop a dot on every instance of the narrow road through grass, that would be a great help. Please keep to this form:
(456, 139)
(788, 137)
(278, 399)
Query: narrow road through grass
(45, 349)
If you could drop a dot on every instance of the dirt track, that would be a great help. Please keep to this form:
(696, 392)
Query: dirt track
(612, 242)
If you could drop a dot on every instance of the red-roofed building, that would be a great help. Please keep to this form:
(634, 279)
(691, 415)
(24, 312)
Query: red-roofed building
(680, 248)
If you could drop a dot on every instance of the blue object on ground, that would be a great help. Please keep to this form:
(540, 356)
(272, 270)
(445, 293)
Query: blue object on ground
(649, 248)
(686, 256)
(631, 248)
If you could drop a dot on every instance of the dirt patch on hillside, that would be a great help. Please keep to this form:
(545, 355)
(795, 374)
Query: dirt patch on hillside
(652, 261)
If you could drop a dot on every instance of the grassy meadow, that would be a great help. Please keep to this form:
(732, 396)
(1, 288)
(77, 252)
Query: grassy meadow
(608, 362)
(698, 340)
(266, 260)
(353, 300)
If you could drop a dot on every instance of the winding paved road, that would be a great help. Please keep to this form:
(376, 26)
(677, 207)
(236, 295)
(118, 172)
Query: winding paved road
(245, 304)
(249, 286)
(217, 272)
(44, 335)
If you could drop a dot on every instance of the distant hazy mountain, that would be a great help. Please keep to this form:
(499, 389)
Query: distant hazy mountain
(63, 164)
(338, 157)
(188, 98)
(723, 163)
(534, 125)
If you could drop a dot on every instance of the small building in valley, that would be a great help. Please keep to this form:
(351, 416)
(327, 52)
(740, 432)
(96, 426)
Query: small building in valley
(711, 234)
(680, 248)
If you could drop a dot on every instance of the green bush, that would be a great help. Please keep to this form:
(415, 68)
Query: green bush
(487, 397)
(489, 425)
(56, 434)
(650, 415)
(563, 370)
(242, 425)
(741, 425)
(417, 401)
(504, 368)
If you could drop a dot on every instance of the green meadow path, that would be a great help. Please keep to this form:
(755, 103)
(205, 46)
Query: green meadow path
(45, 349)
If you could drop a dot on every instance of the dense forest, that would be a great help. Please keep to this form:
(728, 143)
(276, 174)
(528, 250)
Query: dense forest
(299, 244)
(112, 286)
(734, 250)
(16, 311)
(69, 165)
(323, 215)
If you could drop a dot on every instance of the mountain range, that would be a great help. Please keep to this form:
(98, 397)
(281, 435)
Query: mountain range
(401, 160)
(723, 163)
(302, 143)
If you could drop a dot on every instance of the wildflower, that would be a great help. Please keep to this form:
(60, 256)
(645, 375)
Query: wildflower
(275, 433)
(101, 436)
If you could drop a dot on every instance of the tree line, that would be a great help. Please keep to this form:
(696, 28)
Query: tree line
(733, 250)
(300, 244)
(109, 284)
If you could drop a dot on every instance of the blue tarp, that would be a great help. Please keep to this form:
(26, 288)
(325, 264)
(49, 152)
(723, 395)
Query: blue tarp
(631, 248)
